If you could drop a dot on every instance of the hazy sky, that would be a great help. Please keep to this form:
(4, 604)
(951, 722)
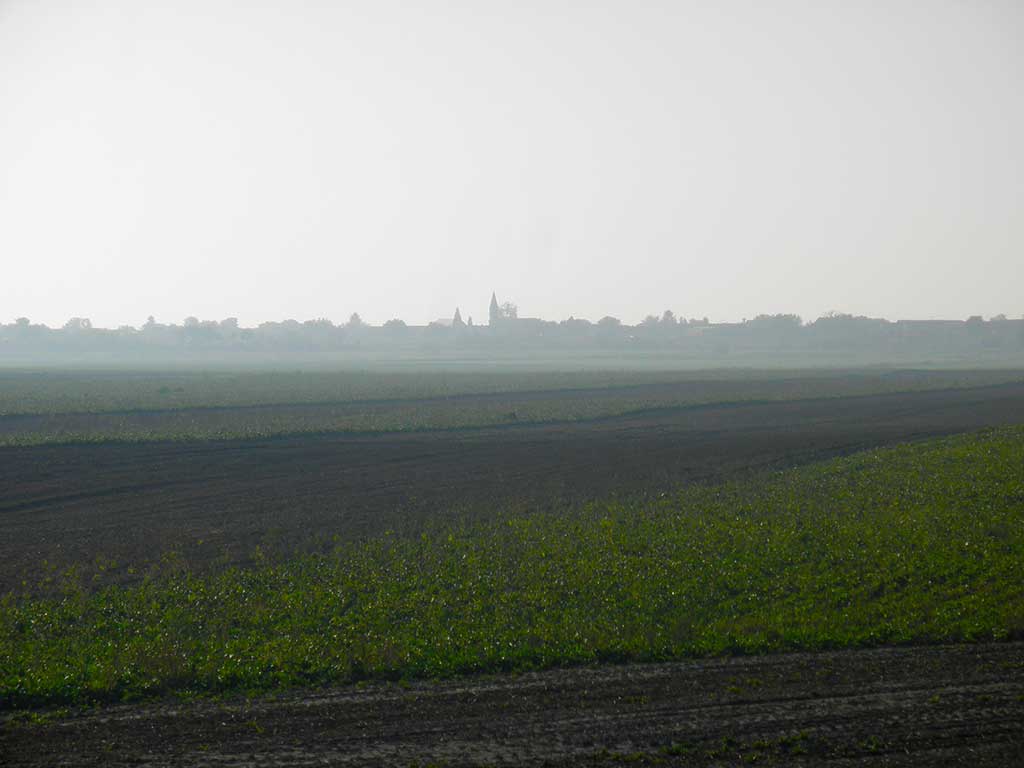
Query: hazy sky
(299, 159)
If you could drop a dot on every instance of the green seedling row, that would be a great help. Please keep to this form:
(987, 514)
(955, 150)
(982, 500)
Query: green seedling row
(919, 543)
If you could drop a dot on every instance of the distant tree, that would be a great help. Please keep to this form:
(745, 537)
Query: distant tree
(779, 319)
(23, 322)
(319, 322)
(191, 322)
(650, 320)
(609, 322)
(78, 324)
(355, 321)
(668, 317)
(229, 324)
(577, 323)
(1000, 318)
(150, 323)
(395, 323)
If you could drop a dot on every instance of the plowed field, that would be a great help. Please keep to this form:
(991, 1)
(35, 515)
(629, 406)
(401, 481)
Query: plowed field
(939, 706)
(215, 502)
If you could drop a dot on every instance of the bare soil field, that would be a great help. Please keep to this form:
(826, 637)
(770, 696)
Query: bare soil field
(215, 502)
(934, 706)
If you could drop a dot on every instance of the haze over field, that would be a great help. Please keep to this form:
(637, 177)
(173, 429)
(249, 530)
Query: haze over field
(393, 159)
(367, 366)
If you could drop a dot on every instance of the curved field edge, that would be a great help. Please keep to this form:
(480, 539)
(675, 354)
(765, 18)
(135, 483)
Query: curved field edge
(55, 391)
(402, 420)
(457, 412)
(919, 543)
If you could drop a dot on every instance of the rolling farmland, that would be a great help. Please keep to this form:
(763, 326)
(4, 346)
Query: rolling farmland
(714, 524)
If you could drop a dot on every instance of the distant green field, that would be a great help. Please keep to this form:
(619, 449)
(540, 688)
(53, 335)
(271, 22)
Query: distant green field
(913, 544)
(59, 407)
(53, 391)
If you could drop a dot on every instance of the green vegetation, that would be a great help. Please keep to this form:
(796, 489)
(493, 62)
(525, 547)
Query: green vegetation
(76, 407)
(52, 391)
(60, 392)
(918, 543)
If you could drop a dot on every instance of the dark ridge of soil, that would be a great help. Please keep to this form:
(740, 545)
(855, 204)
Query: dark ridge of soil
(931, 706)
(214, 502)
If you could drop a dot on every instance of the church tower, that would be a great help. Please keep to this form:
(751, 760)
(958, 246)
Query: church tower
(495, 316)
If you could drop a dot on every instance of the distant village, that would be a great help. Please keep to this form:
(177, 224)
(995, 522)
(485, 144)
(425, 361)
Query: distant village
(765, 337)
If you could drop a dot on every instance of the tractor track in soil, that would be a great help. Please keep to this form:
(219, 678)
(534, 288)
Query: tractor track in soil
(935, 706)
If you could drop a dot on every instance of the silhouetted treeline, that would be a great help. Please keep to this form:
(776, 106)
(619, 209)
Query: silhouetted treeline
(835, 338)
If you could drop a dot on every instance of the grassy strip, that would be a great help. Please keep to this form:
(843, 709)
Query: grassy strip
(66, 391)
(188, 426)
(490, 410)
(917, 543)
(285, 421)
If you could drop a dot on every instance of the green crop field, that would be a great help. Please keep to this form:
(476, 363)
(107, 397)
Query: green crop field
(50, 391)
(60, 392)
(913, 544)
(43, 407)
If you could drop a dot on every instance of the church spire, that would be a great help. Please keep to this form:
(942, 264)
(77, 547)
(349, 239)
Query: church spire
(495, 316)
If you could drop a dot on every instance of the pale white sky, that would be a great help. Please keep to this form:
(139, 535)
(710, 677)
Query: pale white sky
(300, 159)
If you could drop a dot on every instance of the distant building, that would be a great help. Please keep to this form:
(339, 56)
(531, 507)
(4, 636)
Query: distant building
(495, 310)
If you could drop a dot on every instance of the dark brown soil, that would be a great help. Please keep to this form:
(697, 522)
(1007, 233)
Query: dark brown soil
(937, 706)
(214, 502)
